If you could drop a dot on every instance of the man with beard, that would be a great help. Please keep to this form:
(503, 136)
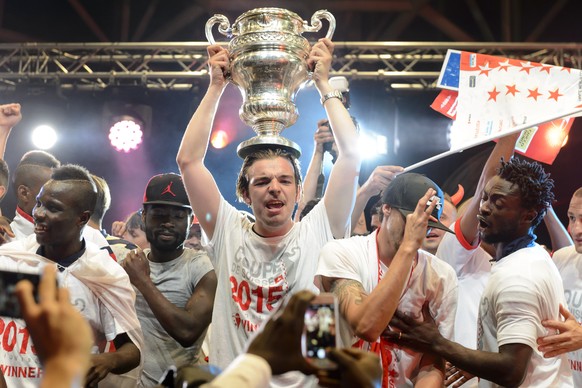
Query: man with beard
(524, 289)
(175, 286)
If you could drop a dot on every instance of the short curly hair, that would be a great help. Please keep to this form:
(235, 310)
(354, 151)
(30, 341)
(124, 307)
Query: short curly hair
(535, 185)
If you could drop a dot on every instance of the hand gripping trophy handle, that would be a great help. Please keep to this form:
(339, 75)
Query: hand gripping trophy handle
(224, 27)
(316, 23)
(268, 63)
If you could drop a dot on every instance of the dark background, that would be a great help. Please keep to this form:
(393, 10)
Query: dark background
(413, 130)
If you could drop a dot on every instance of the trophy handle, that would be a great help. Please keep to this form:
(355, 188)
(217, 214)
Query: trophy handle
(316, 22)
(224, 27)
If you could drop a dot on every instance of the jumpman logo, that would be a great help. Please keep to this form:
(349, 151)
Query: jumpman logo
(168, 189)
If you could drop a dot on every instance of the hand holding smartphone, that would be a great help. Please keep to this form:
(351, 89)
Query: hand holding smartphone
(319, 333)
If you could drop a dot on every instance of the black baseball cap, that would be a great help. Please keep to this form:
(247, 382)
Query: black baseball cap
(406, 189)
(166, 189)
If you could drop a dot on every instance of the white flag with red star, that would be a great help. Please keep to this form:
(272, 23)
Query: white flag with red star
(494, 95)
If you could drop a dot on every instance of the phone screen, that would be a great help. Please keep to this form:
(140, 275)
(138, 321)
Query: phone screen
(9, 306)
(320, 331)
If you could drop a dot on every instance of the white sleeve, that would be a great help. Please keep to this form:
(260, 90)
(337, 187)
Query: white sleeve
(246, 371)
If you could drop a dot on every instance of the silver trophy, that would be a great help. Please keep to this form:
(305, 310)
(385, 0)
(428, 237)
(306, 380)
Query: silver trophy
(269, 65)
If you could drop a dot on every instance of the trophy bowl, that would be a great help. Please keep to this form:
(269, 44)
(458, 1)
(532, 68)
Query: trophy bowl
(268, 57)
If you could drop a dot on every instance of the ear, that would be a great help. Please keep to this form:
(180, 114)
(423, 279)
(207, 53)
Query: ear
(84, 217)
(529, 216)
(246, 198)
(2, 191)
(386, 209)
(22, 192)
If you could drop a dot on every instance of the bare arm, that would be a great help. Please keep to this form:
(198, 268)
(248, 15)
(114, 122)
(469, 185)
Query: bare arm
(431, 372)
(379, 179)
(9, 116)
(503, 149)
(125, 358)
(425, 337)
(341, 188)
(368, 315)
(200, 185)
(315, 168)
(186, 324)
(559, 236)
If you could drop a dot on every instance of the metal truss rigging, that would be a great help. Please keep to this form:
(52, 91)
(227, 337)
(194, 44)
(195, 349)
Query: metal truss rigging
(179, 66)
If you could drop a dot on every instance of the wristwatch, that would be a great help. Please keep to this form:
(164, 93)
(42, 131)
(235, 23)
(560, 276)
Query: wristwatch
(334, 94)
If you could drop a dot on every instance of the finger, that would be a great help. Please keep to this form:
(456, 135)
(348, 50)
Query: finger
(47, 288)
(426, 314)
(26, 300)
(339, 356)
(421, 204)
(565, 313)
(63, 295)
(299, 302)
(391, 336)
(356, 353)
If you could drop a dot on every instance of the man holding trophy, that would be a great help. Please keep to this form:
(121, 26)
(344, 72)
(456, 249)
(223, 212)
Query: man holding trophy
(259, 264)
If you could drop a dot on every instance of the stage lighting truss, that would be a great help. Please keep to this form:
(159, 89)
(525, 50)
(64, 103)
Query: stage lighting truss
(179, 66)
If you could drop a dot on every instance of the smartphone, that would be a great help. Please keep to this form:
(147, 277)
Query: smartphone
(9, 306)
(319, 333)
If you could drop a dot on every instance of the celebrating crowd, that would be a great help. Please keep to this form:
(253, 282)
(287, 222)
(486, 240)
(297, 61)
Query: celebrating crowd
(439, 293)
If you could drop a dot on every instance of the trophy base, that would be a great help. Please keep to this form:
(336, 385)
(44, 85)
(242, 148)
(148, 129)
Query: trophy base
(267, 142)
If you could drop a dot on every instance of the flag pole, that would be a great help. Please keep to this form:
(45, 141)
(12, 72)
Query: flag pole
(494, 136)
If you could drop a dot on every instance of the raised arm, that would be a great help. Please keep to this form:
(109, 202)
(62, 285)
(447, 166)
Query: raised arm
(200, 184)
(315, 169)
(341, 188)
(369, 314)
(9, 116)
(503, 149)
(379, 179)
(559, 236)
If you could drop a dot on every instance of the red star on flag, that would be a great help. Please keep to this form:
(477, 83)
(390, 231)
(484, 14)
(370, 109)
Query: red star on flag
(504, 65)
(493, 94)
(511, 89)
(526, 66)
(533, 93)
(566, 69)
(485, 69)
(555, 94)
(546, 68)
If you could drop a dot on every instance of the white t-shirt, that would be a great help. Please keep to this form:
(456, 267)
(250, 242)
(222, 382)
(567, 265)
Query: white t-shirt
(431, 280)
(472, 266)
(255, 274)
(569, 263)
(524, 288)
(18, 361)
(176, 280)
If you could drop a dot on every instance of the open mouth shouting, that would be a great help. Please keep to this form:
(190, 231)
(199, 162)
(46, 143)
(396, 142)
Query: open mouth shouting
(274, 206)
(483, 224)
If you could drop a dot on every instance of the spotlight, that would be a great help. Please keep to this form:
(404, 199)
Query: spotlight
(126, 134)
(372, 145)
(44, 137)
(219, 139)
